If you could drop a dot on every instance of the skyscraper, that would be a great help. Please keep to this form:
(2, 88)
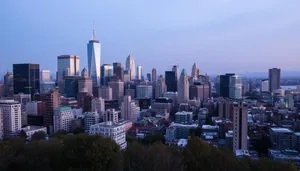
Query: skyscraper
(154, 75)
(171, 81)
(149, 77)
(160, 87)
(183, 87)
(26, 78)
(8, 84)
(139, 72)
(176, 70)
(45, 75)
(264, 85)
(274, 79)
(11, 123)
(118, 70)
(94, 57)
(195, 70)
(130, 66)
(240, 125)
(106, 72)
(117, 90)
(67, 65)
(85, 84)
(98, 105)
(235, 87)
(224, 84)
(128, 109)
(105, 92)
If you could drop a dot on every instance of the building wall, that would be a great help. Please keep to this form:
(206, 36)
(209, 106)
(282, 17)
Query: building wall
(62, 119)
(240, 125)
(11, 112)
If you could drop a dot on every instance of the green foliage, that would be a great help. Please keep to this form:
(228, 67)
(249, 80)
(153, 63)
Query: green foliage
(262, 145)
(196, 131)
(41, 135)
(23, 134)
(78, 131)
(153, 138)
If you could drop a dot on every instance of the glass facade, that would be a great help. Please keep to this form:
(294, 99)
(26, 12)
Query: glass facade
(94, 51)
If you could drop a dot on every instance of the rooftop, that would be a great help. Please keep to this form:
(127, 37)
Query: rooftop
(63, 108)
(184, 113)
(281, 130)
(108, 124)
(32, 127)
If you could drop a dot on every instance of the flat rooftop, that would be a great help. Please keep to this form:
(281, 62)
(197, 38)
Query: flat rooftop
(281, 130)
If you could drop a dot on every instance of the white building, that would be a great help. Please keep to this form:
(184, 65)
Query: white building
(44, 75)
(264, 85)
(105, 93)
(62, 119)
(144, 91)
(115, 131)
(183, 87)
(235, 87)
(130, 66)
(90, 118)
(98, 106)
(128, 109)
(94, 59)
(110, 115)
(139, 72)
(10, 123)
(240, 126)
(30, 130)
(67, 65)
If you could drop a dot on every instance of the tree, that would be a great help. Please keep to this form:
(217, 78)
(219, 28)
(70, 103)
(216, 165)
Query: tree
(40, 135)
(196, 131)
(152, 138)
(23, 134)
(78, 131)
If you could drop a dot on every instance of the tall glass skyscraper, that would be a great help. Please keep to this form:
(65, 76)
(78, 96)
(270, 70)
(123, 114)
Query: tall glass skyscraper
(93, 52)
(130, 66)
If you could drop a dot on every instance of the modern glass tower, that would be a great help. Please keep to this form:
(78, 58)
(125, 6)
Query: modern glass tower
(94, 56)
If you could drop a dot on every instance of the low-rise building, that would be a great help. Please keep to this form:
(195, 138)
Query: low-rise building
(183, 117)
(30, 130)
(281, 138)
(285, 156)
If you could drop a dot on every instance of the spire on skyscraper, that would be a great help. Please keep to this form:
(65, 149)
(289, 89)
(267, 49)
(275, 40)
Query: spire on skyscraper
(94, 32)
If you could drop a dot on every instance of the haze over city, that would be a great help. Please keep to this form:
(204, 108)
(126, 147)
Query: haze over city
(220, 36)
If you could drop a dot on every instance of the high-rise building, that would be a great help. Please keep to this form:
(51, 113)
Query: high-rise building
(171, 81)
(85, 84)
(23, 99)
(98, 105)
(105, 92)
(128, 109)
(281, 138)
(183, 87)
(160, 87)
(67, 65)
(26, 78)
(149, 77)
(10, 122)
(46, 86)
(117, 90)
(118, 70)
(139, 72)
(264, 85)
(106, 72)
(90, 118)
(240, 125)
(224, 84)
(217, 85)
(195, 70)
(130, 66)
(143, 91)
(62, 119)
(94, 58)
(110, 115)
(71, 86)
(8, 84)
(199, 92)
(176, 70)
(154, 75)
(274, 79)
(84, 100)
(235, 87)
(44, 75)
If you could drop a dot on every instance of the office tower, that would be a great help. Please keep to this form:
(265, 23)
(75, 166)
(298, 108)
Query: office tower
(144, 91)
(23, 99)
(62, 119)
(176, 70)
(110, 115)
(52, 101)
(35, 108)
(105, 93)
(115, 131)
(139, 72)
(281, 138)
(149, 77)
(128, 109)
(118, 70)
(160, 87)
(8, 84)
(154, 75)
(67, 65)
(46, 86)
(10, 124)
(199, 92)
(85, 84)
(106, 72)
(195, 70)
(84, 101)
(26, 78)
(71, 86)
(171, 81)
(117, 90)
(217, 84)
(264, 85)
(235, 87)
(130, 67)
(183, 87)
(224, 84)
(1, 91)
(240, 125)
(90, 118)
(274, 79)
(94, 59)
(98, 105)
(44, 75)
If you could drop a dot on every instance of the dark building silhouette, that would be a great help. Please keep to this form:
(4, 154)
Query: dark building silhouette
(26, 78)
(171, 81)
(274, 79)
(71, 86)
(8, 84)
(224, 84)
(118, 70)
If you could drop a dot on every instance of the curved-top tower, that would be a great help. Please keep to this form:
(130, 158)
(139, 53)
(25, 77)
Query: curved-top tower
(130, 66)
(94, 56)
(195, 70)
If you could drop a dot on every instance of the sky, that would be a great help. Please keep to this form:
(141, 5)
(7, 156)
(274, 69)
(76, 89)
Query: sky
(218, 35)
